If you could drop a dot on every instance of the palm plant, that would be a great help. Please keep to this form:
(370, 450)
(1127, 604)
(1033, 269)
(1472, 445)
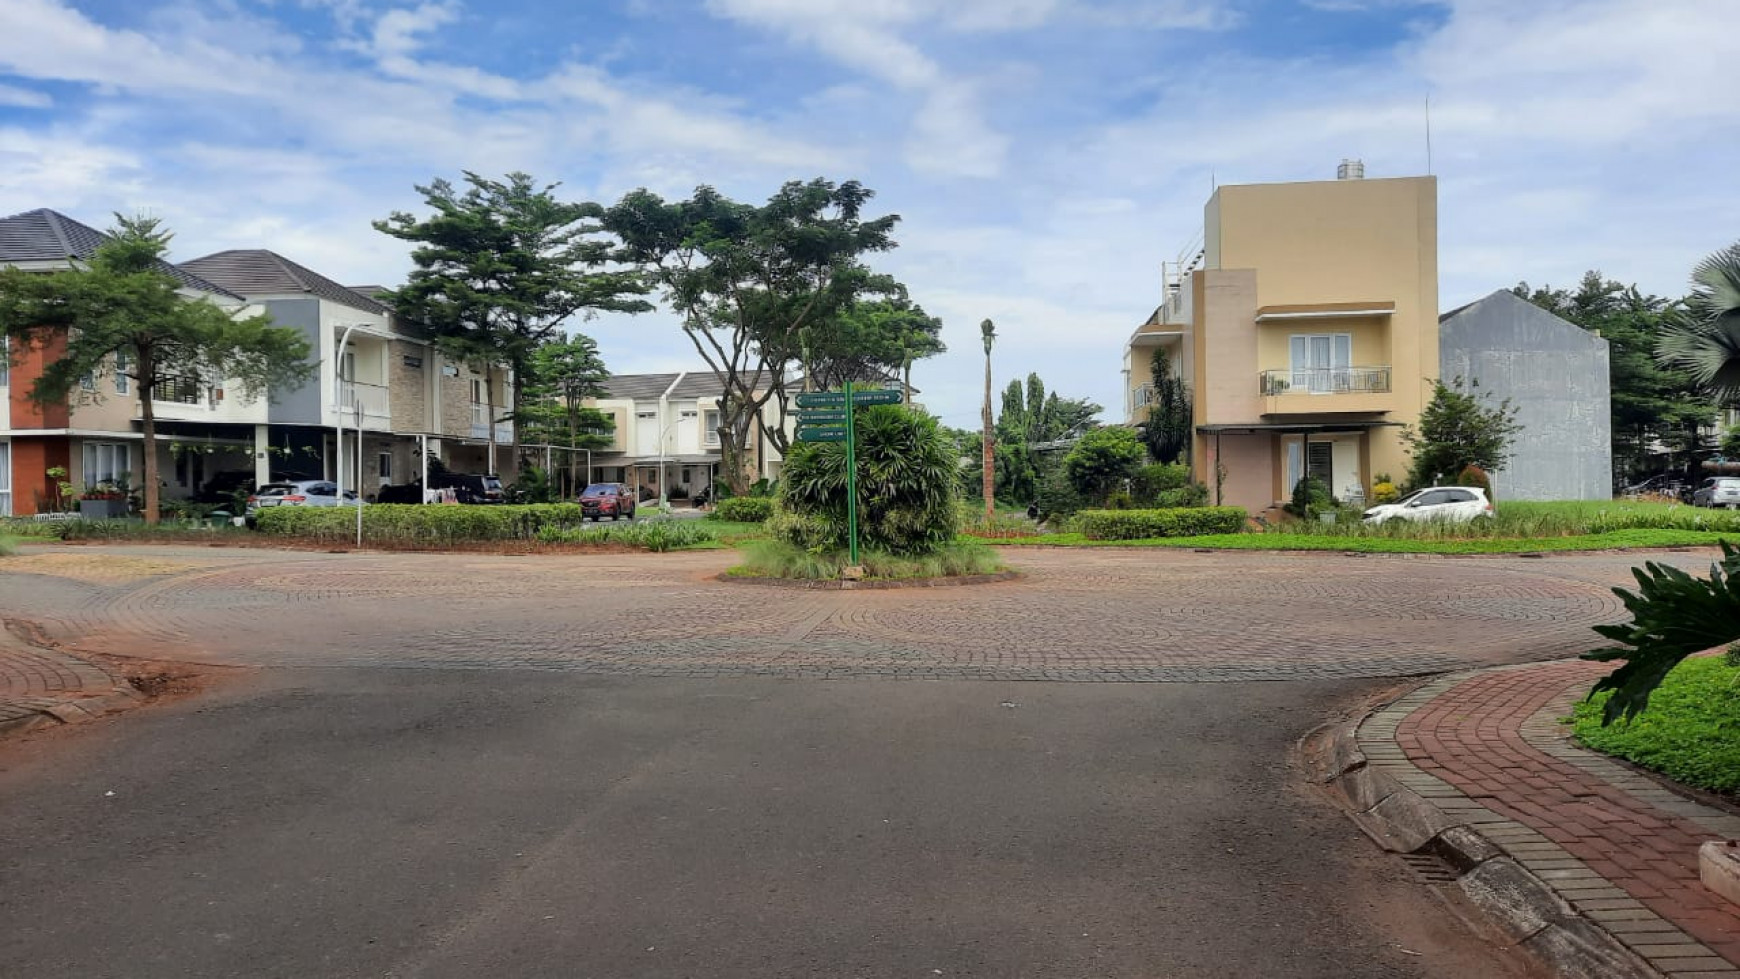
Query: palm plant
(906, 486)
(1705, 340)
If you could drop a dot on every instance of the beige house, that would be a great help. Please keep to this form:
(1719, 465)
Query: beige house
(1307, 328)
(666, 434)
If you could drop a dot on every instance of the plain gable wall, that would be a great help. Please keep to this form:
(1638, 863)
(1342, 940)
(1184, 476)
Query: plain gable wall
(1556, 374)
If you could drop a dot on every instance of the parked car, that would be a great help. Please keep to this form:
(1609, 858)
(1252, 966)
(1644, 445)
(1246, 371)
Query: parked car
(1452, 504)
(302, 492)
(1721, 491)
(221, 488)
(470, 487)
(613, 500)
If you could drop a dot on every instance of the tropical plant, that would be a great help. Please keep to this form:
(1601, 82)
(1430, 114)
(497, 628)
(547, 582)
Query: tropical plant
(1673, 615)
(1459, 429)
(123, 314)
(906, 487)
(1705, 339)
(1311, 496)
(1102, 460)
(1166, 433)
(1057, 497)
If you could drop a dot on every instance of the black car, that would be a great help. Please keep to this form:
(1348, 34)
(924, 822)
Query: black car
(470, 487)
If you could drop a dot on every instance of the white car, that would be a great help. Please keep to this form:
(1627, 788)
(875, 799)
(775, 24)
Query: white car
(1718, 491)
(1451, 504)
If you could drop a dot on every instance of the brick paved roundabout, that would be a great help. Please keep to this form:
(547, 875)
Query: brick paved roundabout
(1099, 615)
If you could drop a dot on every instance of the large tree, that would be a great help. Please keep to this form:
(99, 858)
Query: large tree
(1705, 340)
(870, 341)
(1651, 402)
(560, 377)
(748, 281)
(124, 313)
(499, 268)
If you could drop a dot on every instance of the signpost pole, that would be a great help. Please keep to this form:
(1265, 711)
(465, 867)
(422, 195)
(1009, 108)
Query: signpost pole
(851, 478)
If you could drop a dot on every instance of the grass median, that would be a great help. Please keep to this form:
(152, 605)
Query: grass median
(1690, 733)
(1274, 541)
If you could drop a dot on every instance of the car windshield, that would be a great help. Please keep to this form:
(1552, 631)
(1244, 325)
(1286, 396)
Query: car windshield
(276, 489)
(1411, 497)
(599, 489)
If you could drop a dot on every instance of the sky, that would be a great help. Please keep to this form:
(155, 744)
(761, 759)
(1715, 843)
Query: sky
(1045, 156)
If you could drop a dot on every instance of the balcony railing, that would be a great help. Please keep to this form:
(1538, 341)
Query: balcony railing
(370, 399)
(1327, 380)
(504, 431)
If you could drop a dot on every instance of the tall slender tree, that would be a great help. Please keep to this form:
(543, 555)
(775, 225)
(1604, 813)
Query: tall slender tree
(1166, 432)
(501, 267)
(123, 313)
(561, 376)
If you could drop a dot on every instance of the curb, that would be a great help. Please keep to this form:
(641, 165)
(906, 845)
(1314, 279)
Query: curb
(1571, 918)
(33, 652)
(25, 714)
(872, 584)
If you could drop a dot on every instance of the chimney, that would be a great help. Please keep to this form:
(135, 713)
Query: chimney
(1350, 170)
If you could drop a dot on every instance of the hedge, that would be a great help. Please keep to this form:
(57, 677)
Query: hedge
(410, 522)
(1143, 524)
(744, 509)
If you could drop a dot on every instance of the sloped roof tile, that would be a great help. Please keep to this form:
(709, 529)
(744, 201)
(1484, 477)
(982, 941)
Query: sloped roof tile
(254, 272)
(44, 235)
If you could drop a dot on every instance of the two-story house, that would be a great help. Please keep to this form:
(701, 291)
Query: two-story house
(1307, 330)
(204, 425)
(666, 437)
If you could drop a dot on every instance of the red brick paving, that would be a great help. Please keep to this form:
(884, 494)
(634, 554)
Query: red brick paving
(1472, 738)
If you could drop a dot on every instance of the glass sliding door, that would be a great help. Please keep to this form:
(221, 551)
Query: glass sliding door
(1322, 362)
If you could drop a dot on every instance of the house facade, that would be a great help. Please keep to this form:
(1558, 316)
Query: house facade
(666, 438)
(380, 382)
(1306, 326)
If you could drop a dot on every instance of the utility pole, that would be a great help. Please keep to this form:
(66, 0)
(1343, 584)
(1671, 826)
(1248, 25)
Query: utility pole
(989, 330)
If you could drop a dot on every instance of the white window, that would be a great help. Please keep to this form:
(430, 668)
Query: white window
(122, 365)
(685, 415)
(106, 462)
(5, 363)
(646, 415)
(1322, 362)
(347, 366)
(477, 392)
(5, 479)
(712, 423)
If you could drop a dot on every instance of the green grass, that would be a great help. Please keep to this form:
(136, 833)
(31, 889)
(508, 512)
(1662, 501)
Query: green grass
(1690, 733)
(8, 547)
(21, 527)
(652, 535)
(774, 559)
(1536, 520)
(1275, 541)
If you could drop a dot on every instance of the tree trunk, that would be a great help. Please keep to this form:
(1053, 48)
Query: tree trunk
(987, 453)
(148, 424)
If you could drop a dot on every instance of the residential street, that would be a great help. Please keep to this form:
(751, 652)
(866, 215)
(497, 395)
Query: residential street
(613, 765)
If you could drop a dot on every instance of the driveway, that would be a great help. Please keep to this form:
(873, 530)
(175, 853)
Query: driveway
(440, 765)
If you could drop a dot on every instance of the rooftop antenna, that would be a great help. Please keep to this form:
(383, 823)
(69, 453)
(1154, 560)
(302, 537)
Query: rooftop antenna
(1428, 135)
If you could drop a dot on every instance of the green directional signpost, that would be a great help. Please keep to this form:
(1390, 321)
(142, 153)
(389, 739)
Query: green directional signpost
(826, 416)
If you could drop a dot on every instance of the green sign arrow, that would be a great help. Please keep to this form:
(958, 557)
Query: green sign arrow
(832, 433)
(822, 399)
(876, 397)
(816, 416)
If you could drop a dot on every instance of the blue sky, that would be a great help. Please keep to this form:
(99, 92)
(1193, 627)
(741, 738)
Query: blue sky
(1045, 155)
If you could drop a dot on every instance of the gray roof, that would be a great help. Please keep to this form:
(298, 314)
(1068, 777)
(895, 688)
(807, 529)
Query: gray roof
(43, 235)
(258, 272)
(648, 387)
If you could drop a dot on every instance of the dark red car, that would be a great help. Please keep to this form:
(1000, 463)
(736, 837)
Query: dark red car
(613, 500)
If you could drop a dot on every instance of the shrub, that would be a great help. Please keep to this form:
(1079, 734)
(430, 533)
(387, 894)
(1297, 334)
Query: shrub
(1310, 497)
(1475, 476)
(1189, 495)
(1385, 492)
(776, 559)
(1120, 500)
(1102, 459)
(745, 509)
(906, 487)
(415, 523)
(1144, 524)
(1058, 497)
(1150, 481)
(653, 535)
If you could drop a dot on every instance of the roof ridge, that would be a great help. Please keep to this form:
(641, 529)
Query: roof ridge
(290, 269)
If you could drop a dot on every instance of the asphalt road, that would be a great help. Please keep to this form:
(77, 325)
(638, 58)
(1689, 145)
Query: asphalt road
(448, 822)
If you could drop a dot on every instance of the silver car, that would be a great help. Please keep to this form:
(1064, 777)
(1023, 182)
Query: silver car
(1718, 491)
(302, 492)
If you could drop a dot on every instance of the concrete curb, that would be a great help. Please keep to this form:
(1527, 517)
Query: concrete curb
(24, 714)
(1535, 893)
(85, 691)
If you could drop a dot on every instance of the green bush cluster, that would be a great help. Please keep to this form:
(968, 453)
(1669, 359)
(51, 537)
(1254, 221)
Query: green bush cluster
(653, 535)
(777, 559)
(413, 523)
(906, 487)
(744, 509)
(1144, 524)
(140, 530)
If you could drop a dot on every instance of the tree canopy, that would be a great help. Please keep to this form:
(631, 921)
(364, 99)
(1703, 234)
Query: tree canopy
(870, 341)
(1102, 460)
(749, 280)
(1705, 340)
(561, 375)
(499, 268)
(124, 313)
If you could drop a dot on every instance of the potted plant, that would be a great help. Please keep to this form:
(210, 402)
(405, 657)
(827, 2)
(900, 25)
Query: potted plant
(103, 501)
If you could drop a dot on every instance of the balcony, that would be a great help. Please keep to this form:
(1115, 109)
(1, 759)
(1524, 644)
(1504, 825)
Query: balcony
(1326, 389)
(368, 400)
(504, 431)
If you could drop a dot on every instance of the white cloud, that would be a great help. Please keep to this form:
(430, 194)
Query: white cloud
(24, 98)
